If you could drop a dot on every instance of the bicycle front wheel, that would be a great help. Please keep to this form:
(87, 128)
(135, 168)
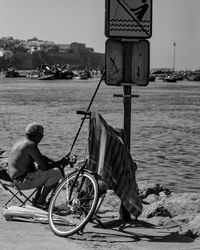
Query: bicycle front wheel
(73, 204)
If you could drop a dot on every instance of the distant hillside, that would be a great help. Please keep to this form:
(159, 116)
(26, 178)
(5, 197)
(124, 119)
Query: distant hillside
(25, 61)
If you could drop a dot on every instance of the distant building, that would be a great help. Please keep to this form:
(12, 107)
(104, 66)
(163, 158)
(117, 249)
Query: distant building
(76, 54)
(7, 41)
(80, 47)
(63, 48)
(34, 44)
(76, 47)
(90, 50)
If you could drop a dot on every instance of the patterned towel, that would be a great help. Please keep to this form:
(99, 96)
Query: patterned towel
(111, 159)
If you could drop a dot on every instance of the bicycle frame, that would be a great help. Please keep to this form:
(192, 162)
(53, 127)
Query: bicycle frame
(82, 196)
(80, 171)
(77, 176)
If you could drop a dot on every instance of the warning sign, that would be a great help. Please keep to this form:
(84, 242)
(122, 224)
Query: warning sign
(128, 18)
(137, 63)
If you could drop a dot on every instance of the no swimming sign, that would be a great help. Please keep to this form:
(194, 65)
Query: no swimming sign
(128, 19)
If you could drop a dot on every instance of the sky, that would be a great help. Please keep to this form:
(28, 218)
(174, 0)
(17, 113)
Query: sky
(67, 21)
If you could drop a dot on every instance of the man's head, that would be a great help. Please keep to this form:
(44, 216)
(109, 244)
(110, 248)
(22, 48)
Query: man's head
(34, 132)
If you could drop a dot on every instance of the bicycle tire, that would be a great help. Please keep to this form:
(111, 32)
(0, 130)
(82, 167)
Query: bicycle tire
(66, 215)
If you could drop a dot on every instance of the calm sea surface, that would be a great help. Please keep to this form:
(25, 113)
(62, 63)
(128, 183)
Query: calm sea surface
(165, 132)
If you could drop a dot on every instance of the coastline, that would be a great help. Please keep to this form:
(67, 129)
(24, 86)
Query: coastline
(168, 221)
(164, 129)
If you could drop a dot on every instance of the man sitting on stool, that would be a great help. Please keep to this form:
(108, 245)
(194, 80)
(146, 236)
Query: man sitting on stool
(30, 169)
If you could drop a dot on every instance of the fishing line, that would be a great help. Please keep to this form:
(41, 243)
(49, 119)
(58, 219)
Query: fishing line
(87, 110)
(194, 50)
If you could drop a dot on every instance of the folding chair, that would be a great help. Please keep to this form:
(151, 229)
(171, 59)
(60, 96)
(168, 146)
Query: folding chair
(8, 185)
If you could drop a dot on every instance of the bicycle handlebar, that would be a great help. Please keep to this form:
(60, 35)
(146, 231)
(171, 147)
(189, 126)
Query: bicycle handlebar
(67, 161)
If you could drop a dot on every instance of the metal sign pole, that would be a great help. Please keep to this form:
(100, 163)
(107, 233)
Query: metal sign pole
(127, 62)
(127, 49)
(124, 214)
(127, 113)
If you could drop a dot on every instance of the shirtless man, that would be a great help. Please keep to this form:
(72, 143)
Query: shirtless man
(29, 168)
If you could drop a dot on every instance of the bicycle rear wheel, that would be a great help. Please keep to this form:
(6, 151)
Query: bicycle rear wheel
(73, 204)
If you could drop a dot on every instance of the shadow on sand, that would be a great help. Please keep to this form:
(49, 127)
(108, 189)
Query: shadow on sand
(115, 231)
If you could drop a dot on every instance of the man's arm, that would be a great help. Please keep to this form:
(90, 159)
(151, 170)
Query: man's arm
(49, 160)
(42, 161)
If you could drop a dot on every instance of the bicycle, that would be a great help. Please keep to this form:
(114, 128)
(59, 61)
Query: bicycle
(76, 200)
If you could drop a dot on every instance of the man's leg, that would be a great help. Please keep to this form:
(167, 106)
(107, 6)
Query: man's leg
(52, 179)
(38, 193)
(45, 191)
(46, 181)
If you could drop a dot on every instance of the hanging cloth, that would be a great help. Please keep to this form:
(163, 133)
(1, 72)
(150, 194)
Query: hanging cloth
(110, 158)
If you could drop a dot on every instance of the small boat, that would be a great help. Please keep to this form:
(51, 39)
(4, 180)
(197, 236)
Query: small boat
(152, 78)
(193, 77)
(66, 72)
(46, 77)
(45, 73)
(10, 72)
(32, 75)
(81, 77)
(170, 79)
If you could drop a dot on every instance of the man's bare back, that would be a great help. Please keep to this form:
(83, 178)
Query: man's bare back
(30, 169)
(22, 157)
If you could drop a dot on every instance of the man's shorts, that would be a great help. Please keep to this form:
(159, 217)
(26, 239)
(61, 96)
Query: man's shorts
(39, 178)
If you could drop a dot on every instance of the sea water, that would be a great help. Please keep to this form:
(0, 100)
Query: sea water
(165, 124)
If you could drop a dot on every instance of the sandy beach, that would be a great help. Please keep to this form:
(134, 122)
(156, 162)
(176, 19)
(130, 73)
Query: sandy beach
(156, 228)
(140, 235)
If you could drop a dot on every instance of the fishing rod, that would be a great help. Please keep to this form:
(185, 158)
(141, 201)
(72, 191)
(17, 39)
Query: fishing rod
(85, 115)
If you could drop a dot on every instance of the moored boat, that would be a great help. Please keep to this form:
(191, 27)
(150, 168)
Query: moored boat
(11, 73)
(32, 75)
(45, 73)
(170, 79)
(81, 76)
(152, 78)
(46, 77)
(193, 77)
(66, 72)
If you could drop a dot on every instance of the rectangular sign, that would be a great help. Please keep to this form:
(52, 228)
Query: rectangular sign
(141, 63)
(114, 62)
(132, 59)
(128, 19)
